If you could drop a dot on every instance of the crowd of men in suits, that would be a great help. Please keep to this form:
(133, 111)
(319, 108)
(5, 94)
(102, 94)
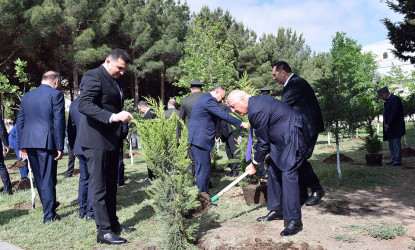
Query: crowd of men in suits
(286, 131)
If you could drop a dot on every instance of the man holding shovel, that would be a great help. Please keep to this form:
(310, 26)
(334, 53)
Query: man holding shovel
(284, 135)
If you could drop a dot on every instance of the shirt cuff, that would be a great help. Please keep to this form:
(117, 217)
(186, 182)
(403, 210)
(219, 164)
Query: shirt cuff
(254, 162)
(111, 117)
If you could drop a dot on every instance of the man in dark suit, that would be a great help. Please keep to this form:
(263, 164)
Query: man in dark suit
(41, 133)
(283, 134)
(298, 93)
(84, 201)
(227, 134)
(202, 127)
(393, 124)
(100, 136)
(148, 114)
(184, 114)
(7, 185)
(171, 108)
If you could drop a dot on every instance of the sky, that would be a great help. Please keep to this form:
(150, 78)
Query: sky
(317, 20)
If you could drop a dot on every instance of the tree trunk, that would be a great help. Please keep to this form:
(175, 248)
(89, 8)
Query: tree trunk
(135, 89)
(338, 150)
(162, 85)
(76, 90)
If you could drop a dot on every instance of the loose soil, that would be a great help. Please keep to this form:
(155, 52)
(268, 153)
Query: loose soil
(330, 225)
(356, 139)
(332, 159)
(205, 205)
(327, 147)
(408, 152)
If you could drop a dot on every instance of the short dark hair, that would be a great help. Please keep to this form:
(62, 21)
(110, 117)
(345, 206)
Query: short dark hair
(119, 53)
(217, 87)
(142, 103)
(281, 65)
(172, 102)
(51, 75)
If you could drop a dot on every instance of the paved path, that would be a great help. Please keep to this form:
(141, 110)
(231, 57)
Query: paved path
(7, 246)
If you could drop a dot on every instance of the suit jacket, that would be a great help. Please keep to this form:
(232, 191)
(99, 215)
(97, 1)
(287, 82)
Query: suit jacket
(100, 98)
(170, 111)
(187, 106)
(41, 119)
(393, 116)
(202, 124)
(281, 131)
(73, 123)
(223, 128)
(149, 115)
(301, 97)
(3, 133)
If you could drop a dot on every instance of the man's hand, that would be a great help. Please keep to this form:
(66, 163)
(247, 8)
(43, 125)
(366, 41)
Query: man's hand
(245, 125)
(23, 154)
(60, 154)
(250, 169)
(7, 148)
(123, 116)
(217, 138)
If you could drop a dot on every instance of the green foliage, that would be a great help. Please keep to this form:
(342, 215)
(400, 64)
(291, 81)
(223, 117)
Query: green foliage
(166, 156)
(207, 58)
(383, 230)
(345, 238)
(372, 143)
(402, 34)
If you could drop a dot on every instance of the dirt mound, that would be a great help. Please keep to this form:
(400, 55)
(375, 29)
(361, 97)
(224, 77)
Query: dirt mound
(135, 155)
(332, 159)
(356, 139)
(408, 152)
(22, 184)
(26, 206)
(258, 244)
(327, 147)
(205, 205)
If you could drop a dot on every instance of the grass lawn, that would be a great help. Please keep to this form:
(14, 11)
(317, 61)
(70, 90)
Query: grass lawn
(23, 226)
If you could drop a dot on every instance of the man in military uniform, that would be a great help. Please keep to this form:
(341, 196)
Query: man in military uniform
(186, 109)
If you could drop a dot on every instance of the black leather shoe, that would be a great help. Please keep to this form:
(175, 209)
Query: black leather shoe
(272, 215)
(389, 163)
(315, 198)
(81, 216)
(293, 227)
(124, 229)
(111, 239)
(396, 164)
(235, 174)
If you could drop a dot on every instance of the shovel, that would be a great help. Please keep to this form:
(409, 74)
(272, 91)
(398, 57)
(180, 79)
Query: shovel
(31, 184)
(216, 197)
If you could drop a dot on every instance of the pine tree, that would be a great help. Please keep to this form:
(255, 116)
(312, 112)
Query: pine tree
(172, 197)
(402, 34)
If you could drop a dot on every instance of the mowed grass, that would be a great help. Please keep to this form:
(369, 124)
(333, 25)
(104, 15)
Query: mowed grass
(24, 227)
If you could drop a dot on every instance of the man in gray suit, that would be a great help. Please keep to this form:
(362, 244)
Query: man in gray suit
(186, 110)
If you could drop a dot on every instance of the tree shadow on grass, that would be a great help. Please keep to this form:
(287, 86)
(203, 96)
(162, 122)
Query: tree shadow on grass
(7, 215)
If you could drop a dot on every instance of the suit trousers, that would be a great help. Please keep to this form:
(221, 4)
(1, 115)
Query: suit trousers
(5, 175)
(283, 192)
(307, 176)
(231, 151)
(84, 201)
(121, 169)
(202, 167)
(395, 150)
(103, 175)
(71, 164)
(44, 169)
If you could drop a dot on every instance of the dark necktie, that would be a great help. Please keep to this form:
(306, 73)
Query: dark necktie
(249, 147)
(119, 89)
